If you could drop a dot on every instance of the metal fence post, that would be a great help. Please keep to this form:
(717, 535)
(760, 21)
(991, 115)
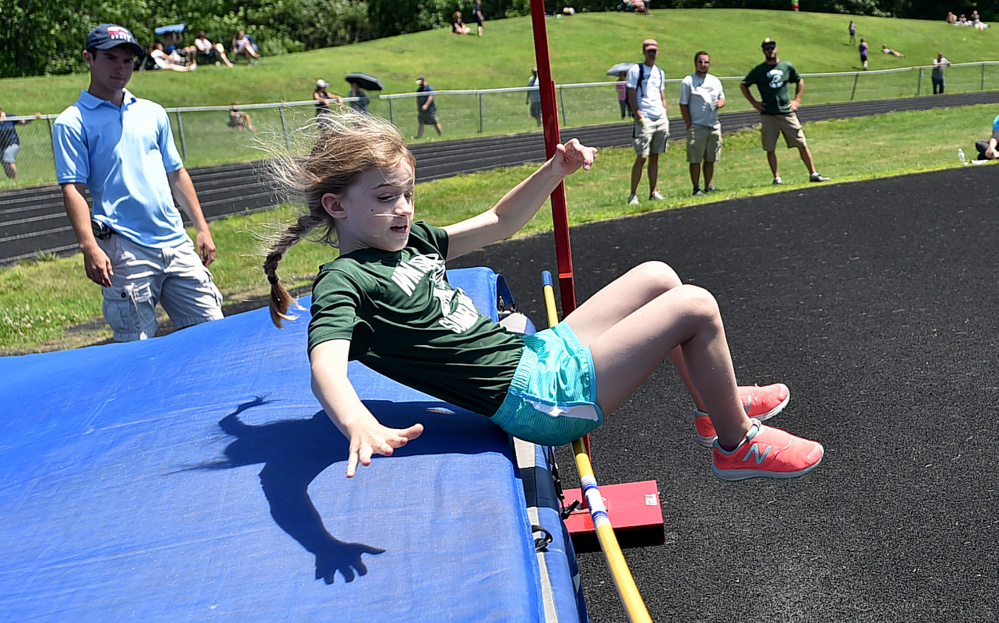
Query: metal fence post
(284, 126)
(482, 126)
(48, 122)
(983, 77)
(919, 82)
(183, 141)
(392, 110)
(855, 78)
(561, 104)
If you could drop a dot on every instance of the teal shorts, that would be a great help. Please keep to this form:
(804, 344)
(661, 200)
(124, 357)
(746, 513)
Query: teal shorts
(552, 399)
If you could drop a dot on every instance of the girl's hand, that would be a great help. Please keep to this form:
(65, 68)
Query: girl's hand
(372, 438)
(571, 156)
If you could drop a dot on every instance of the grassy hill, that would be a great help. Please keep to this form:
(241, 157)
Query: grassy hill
(582, 48)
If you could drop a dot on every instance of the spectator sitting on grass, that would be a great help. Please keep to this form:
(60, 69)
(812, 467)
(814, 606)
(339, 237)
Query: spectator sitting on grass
(239, 119)
(458, 27)
(165, 61)
(242, 44)
(214, 52)
(987, 149)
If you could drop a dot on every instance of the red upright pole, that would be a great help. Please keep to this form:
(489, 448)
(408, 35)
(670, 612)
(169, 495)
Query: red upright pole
(549, 114)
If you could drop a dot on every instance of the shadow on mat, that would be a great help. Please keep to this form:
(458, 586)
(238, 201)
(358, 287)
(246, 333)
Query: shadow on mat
(294, 452)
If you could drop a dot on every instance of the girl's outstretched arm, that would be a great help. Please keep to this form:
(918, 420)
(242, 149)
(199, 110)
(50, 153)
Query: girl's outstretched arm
(366, 434)
(517, 207)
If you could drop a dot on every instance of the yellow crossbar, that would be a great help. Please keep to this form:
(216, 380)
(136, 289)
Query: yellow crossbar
(623, 580)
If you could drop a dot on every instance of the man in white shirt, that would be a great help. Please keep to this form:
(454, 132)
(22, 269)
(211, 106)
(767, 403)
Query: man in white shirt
(648, 104)
(939, 65)
(701, 95)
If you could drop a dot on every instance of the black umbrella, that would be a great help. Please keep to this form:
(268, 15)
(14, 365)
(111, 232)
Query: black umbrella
(616, 69)
(365, 81)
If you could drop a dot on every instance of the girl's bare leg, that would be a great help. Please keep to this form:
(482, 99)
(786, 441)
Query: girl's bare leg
(647, 329)
(621, 298)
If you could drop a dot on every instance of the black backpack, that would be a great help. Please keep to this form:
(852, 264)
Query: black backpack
(638, 88)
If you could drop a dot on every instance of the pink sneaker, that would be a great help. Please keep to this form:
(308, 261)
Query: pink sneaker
(761, 403)
(769, 453)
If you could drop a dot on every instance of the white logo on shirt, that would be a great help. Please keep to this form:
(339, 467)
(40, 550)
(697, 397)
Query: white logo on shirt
(458, 311)
(776, 78)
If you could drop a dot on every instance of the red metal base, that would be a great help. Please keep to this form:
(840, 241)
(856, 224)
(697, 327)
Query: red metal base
(633, 509)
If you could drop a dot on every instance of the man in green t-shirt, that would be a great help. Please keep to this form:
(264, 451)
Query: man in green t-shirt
(777, 109)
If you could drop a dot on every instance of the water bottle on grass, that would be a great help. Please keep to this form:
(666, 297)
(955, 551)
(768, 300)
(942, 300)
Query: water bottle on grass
(961, 156)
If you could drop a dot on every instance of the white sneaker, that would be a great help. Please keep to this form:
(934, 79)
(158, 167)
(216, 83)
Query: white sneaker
(655, 196)
(778, 181)
(633, 200)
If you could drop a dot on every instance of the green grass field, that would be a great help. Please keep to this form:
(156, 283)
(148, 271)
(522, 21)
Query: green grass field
(41, 302)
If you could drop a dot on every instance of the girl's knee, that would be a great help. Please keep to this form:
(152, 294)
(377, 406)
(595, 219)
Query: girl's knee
(699, 303)
(658, 275)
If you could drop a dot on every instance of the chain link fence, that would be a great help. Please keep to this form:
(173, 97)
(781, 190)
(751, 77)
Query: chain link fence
(208, 135)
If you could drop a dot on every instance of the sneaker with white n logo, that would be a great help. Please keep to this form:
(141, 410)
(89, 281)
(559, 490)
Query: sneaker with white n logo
(766, 452)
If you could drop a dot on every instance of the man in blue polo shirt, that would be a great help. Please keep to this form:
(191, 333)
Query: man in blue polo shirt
(134, 245)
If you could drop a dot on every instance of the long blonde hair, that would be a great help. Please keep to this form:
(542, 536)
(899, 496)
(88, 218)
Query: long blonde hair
(347, 144)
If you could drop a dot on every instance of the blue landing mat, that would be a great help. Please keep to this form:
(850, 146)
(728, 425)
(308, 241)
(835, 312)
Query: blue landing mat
(194, 477)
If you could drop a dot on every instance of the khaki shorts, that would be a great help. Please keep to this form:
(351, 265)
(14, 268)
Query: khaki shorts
(144, 276)
(775, 125)
(703, 144)
(649, 137)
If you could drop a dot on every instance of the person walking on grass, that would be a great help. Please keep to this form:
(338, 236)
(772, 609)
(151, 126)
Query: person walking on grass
(647, 100)
(701, 96)
(385, 300)
(778, 112)
(426, 108)
(864, 50)
(134, 245)
(478, 17)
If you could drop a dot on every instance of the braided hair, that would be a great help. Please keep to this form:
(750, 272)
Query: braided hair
(347, 144)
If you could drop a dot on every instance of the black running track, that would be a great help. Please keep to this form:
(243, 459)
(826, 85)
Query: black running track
(876, 303)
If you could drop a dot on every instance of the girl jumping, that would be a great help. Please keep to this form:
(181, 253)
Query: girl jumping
(385, 300)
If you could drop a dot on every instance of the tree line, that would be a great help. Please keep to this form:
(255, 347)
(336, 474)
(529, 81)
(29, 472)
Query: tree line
(41, 37)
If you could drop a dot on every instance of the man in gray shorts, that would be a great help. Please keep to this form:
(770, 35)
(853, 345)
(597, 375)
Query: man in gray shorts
(701, 95)
(777, 110)
(134, 245)
(648, 103)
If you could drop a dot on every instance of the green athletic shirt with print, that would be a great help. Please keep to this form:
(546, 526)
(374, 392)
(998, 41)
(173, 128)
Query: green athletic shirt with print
(404, 320)
(772, 80)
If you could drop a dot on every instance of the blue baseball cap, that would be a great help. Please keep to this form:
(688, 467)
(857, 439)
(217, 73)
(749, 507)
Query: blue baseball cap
(107, 36)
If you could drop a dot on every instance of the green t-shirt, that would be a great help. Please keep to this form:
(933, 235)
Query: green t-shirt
(404, 320)
(772, 81)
